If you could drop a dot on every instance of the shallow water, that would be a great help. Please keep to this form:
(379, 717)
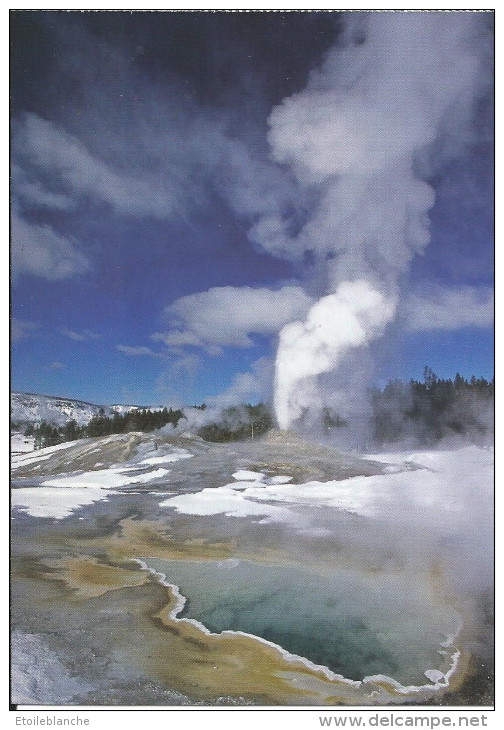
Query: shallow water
(357, 625)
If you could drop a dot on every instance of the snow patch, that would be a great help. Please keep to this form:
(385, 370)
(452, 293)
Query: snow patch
(445, 482)
(104, 479)
(20, 460)
(280, 479)
(170, 458)
(21, 444)
(55, 503)
(59, 496)
(243, 475)
(228, 501)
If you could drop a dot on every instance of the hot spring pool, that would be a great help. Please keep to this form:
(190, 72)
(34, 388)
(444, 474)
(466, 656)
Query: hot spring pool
(357, 624)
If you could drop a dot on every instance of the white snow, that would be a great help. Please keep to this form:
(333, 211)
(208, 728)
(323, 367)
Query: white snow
(433, 497)
(55, 503)
(447, 483)
(170, 458)
(21, 443)
(226, 500)
(122, 409)
(59, 496)
(280, 479)
(243, 475)
(34, 408)
(19, 460)
(104, 478)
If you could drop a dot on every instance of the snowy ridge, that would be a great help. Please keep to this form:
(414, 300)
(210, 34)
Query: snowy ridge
(35, 408)
(122, 409)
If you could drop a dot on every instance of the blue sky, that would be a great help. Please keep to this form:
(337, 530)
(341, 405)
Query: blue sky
(167, 223)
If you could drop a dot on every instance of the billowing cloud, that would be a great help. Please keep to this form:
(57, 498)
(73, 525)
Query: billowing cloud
(41, 251)
(449, 309)
(353, 134)
(228, 316)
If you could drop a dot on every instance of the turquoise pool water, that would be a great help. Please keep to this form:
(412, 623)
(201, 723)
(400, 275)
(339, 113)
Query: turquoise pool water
(356, 624)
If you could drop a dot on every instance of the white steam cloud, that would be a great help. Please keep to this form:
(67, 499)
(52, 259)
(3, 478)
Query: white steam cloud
(349, 318)
(398, 85)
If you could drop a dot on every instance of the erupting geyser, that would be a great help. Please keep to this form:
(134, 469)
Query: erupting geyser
(397, 86)
(349, 318)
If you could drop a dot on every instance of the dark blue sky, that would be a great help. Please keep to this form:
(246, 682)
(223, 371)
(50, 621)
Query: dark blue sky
(141, 165)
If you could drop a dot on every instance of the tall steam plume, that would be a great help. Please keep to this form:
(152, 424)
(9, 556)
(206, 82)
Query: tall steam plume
(397, 87)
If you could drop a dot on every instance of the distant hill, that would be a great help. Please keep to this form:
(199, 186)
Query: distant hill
(34, 408)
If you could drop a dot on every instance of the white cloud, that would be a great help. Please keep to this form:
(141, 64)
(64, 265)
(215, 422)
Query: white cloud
(21, 328)
(450, 309)
(52, 150)
(178, 338)
(33, 192)
(137, 351)
(80, 336)
(255, 384)
(352, 135)
(229, 315)
(187, 365)
(41, 251)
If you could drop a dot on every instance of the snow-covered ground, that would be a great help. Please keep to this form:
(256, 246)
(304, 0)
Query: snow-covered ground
(435, 504)
(58, 496)
(429, 499)
(452, 485)
(32, 457)
(444, 481)
(21, 444)
(413, 522)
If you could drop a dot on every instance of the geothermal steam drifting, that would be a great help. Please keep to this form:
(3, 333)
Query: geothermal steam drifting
(397, 85)
(315, 346)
